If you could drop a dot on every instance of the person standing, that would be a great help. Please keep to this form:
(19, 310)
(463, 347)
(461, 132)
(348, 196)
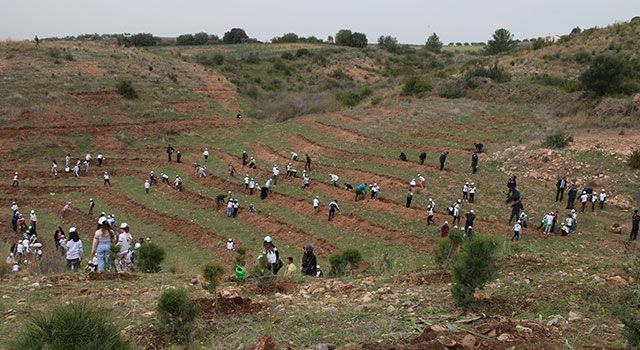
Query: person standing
(584, 198)
(635, 223)
(421, 181)
(472, 193)
(517, 228)
(66, 209)
(305, 180)
(252, 186)
(474, 162)
(602, 197)
(333, 207)
(33, 218)
(275, 174)
(170, 151)
(92, 204)
(74, 250)
(106, 179)
(245, 158)
(560, 187)
(430, 216)
(54, 168)
(147, 186)
(456, 212)
(246, 181)
(152, 178)
(443, 159)
(444, 230)
(465, 191)
(549, 224)
(309, 261)
(101, 247)
(307, 162)
(409, 198)
(516, 208)
(469, 218)
(205, 154)
(511, 186)
(178, 157)
(100, 159)
(124, 242)
(422, 157)
(571, 197)
(272, 254)
(316, 204)
(15, 182)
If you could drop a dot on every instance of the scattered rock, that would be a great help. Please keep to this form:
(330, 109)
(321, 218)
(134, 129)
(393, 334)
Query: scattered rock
(194, 281)
(504, 337)
(391, 309)
(438, 328)
(265, 343)
(574, 316)
(617, 281)
(469, 342)
(322, 347)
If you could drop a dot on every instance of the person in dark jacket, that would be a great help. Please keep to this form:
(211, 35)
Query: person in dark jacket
(479, 147)
(409, 198)
(560, 187)
(423, 157)
(245, 158)
(309, 261)
(573, 194)
(443, 159)
(14, 221)
(515, 211)
(635, 223)
(170, 151)
(403, 157)
(178, 157)
(474, 162)
(307, 163)
(470, 217)
(511, 185)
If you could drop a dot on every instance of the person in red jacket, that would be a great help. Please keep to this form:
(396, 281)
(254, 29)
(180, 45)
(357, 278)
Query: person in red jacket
(444, 230)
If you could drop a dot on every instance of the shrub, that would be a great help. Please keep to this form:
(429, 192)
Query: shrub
(252, 58)
(177, 314)
(287, 56)
(502, 42)
(74, 326)
(348, 259)
(582, 57)
(173, 77)
(538, 44)
(215, 60)
(448, 248)
(433, 43)
(338, 264)
(140, 39)
(282, 67)
(212, 273)
(450, 92)
(557, 140)
(634, 159)
(495, 73)
(125, 88)
(607, 74)
(241, 259)
(262, 273)
(339, 74)
(150, 257)
(352, 257)
(354, 97)
(235, 36)
(416, 86)
(346, 37)
(387, 42)
(302, 52)
(473, 268)
(631, 329)
(286, 38)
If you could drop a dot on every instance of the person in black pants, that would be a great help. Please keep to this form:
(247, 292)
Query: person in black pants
(560, 187)
(635, 223)
(409, 198)
(443, 158)
(571, 200)
(474, 162)
(170, 151)
(423, 157)
(515, 211)
(307, 163)
(333, 206)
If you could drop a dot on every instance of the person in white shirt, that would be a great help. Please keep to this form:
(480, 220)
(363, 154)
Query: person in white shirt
(76, 170)
(164, 178)
(230, 208)
(305, 180)
(549, 223)
(431, 203)
(74, 250)
(276, 174)
(421, 181)
(246, 181)
(15, 180)
(205, 154)
(456, 212)
(14, 207)
(252, 186)
(106, 179)
(87, 158)
(294, 156)
(465, 191)
(54, 168)
(147, 186)
(112, 220)
(86, 166)
(472, 193)
(602, 198)
(67, 161)
(584, 198)
(34, 220)
(230, 245)
(430, 216)
(516, 231)
(594, 199)
(124, 242)
(316, 204)
(202, 171)
(334, 180)
(375, 191)
(101, 159)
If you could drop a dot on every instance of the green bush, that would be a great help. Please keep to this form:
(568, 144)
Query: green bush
(338, 264)
(352, 257)
(472, 268)
(607, 75)
(495, 73)
(634, 159)
(448, 248)
(346, 37)
(212, 273)
(433, 43)
(177, 314)
(241, 259)
(354, 97)
(125, 88)
(262, 273)
(282, 67)
(303, 52)
(450, 92)
(339, 74)
(215, 60)
(348, 259)
(416, 86)
(150, 257)
(75, 326)
(235, 36)
(538, 44)
(387, 42)
(502, 41)
(252, 58)
(582, 57)
(557, 140)
(287, 56)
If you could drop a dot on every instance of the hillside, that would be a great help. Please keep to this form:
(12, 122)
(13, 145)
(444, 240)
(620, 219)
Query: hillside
(346, 108)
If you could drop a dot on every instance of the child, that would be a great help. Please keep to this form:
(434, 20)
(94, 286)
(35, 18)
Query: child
(291, 267)
(230, 245)
(92, 266)
(516, 231)
(319, 273)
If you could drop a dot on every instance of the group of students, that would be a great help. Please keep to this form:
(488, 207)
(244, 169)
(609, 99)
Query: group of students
(308, 267)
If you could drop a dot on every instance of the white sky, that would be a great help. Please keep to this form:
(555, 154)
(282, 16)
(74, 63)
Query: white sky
(411, 21)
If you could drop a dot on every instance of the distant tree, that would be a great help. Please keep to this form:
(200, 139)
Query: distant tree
(576, 30)
(201, 38)
(635, 19)
(433, 43)
(502, 42)
(235, 36)
(185, 39)
(140, 39)
(344, 37)
(359, 40)
(466, 44)
(458, 44)
(387, 42)
(330, 39)
(606, 75)
(286, 38)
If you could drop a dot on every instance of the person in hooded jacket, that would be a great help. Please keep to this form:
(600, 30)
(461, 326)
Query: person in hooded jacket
(309, 261)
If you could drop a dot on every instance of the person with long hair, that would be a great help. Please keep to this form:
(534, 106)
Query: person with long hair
(74, 250)
(102, 240)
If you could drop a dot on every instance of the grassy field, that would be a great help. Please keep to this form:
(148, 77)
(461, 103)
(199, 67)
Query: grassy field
(61, 98)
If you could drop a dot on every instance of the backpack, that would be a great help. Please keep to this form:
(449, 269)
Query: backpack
(450, 210)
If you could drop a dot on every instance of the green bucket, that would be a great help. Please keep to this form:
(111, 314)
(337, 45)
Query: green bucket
(241, 273)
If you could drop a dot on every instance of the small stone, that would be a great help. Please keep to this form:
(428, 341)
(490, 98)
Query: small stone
(330, 310)
(438, 328)
(149, 314)
(391, 309)
(194, 280)
(573, 316)
(617, 281)
(469, 342)
(504, 337)
(322, 347)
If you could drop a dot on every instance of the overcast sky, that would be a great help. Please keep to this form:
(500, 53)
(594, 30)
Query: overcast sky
(409, 20)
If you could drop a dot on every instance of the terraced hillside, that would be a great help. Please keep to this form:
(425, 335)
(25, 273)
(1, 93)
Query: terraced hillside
(61, 98)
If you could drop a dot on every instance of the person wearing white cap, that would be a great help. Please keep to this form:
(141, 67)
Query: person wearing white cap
(76, 169)
(74, 250)
(245, 158)
(252, 163)
(86, 166)
(178, 183)
(246, 181)
(294, 156)
(147, 186)
(602, 198)
(430, 216)
(444, 230)
(594, 199)
(100, 159)
(472, 192)
(92, 205)
(106, 179)
(272, 254)
(124, 242)
(456, 212)
(101, 247)
(584, 198)
(469, 218)
(230, 245)
(15, 180)
(34, 220)
(112, 220)
(251, 185)
(66, 209)
(334, 179)
(152, 178)
(548, 224)
(230, 207)
(465, 191)
(276, 174)
(14, 207)
(421, 181)
(205, 154)
(316, 204)
(54, 168)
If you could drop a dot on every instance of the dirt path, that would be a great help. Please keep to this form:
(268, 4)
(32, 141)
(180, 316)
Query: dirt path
(217, 87)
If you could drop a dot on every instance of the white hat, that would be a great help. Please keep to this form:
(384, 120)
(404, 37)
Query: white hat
(90, 199)
(230, 240)
(268, 239)
(602, 190)
(73, 229)
(68, 202)
(573, 210)
(32, 211)
(124, 225)
(472, 211)
(102, 220)
(446, 222)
